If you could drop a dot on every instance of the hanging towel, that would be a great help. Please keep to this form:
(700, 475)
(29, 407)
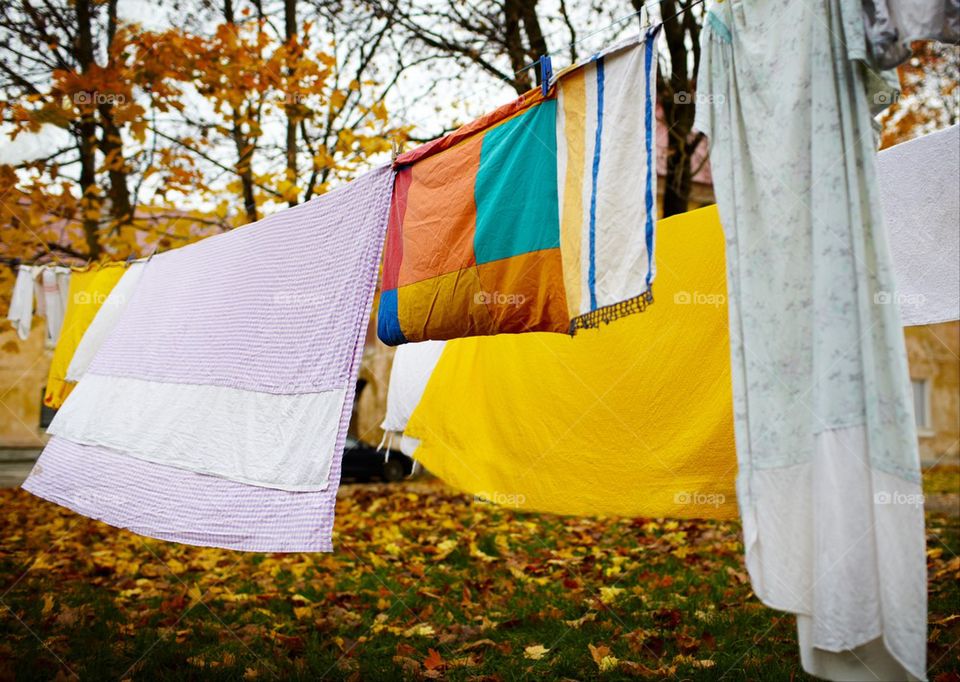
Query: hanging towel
(921, 211)
(219, 403)
(829, 478)
(536, 217)
(88, 291)
(104, 322)
(52, 291)
(892, 26)
(20, 313)
(634, 420)
(412, 366)
(44, 290)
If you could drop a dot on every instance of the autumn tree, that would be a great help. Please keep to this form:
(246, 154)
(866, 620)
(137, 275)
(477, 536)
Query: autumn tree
(152, 128)
(62, 66)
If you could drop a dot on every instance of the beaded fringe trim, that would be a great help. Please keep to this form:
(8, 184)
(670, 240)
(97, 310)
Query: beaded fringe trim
(609, 313)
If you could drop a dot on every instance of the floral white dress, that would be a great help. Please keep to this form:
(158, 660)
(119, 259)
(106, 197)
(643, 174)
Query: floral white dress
(828, 483)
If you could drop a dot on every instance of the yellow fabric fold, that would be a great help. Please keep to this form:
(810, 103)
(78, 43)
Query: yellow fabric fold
(88, 290)
(633, 419)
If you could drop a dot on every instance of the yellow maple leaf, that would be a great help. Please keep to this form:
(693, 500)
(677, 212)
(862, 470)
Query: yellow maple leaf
(535, 652)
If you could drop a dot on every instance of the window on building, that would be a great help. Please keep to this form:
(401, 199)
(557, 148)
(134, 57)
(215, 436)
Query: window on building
(921, 403)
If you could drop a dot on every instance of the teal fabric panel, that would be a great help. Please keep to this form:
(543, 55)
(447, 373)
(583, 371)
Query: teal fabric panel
(516, 186)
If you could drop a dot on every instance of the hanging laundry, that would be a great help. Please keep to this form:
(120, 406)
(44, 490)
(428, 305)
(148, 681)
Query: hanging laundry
(47, 286)
(20, 313)
(829, 479)
(216, 411)
(89, 289)
(52, 291)
(921, 214)
(104, 322)
(535, 217)
(921, 211)
(412, 366)
(892, 26)
(635, 420)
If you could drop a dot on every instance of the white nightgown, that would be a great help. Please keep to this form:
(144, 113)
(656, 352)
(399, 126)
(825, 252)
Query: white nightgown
(829, 478)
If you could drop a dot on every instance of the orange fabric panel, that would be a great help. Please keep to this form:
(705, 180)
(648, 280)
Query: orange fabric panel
(449, 303)
(441, 209)
(526, 292)
(503, 296)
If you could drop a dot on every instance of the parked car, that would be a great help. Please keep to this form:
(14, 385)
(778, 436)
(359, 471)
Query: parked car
(364, 462)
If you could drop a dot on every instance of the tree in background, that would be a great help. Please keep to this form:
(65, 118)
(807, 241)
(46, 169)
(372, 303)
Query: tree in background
(676, 85)
(222, 105)
(503, 39)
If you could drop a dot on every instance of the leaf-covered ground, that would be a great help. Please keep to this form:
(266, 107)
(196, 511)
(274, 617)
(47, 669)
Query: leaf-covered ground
(425, 583)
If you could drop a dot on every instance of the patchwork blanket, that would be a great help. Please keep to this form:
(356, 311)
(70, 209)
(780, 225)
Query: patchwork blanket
(536, 217)
(216, 410)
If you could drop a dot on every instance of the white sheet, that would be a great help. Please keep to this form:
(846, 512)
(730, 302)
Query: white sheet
(412, 366)
(920, 194)
(272, 440)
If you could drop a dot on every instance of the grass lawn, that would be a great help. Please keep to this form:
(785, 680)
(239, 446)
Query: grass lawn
(425, 583)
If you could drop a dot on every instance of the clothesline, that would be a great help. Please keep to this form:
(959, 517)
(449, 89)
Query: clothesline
(613, 23)
(15, 263)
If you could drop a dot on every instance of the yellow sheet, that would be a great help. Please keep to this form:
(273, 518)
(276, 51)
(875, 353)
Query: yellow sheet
(88, 290)
(634, 419)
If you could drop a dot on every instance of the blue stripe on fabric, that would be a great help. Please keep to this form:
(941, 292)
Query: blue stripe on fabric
(592, 274)
(648, 135)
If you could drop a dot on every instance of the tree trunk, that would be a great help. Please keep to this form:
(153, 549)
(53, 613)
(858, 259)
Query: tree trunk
(245, 168)
(111, 142)
(86, 134)
(290, 24)
(243, 146)
(513, 45)
(678, 103)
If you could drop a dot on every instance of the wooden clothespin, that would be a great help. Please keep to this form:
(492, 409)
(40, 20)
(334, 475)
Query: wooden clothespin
(394, 150)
